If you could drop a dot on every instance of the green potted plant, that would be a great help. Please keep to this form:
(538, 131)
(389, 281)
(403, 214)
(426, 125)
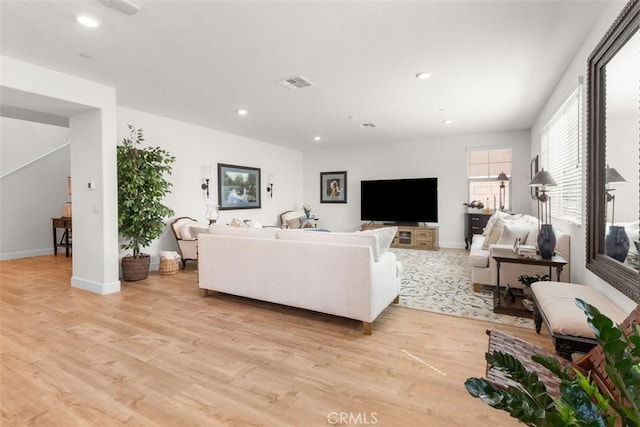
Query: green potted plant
(581, 401)
(142, 186)
(527, 280)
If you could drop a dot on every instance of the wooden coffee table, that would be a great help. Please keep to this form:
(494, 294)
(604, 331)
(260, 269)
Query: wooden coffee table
(508, 256)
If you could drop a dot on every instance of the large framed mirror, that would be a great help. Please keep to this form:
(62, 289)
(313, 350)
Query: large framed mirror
(613, 154)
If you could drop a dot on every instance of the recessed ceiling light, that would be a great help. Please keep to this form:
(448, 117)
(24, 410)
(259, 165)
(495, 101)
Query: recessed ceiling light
(447, 122)
(316, 138)
(242, 112)
(423, 75)
(88, 21)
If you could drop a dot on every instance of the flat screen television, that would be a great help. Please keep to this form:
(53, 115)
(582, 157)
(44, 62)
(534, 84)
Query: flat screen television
(401, 201)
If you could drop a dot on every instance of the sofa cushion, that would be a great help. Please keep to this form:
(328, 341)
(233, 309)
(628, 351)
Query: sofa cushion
(385, 236)
(478, 257)
(557, 301)
(356, 238)
(227, 230)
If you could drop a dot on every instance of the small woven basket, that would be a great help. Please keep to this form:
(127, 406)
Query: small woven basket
(169, 266)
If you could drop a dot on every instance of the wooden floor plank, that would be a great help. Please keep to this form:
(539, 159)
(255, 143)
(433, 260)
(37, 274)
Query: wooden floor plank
(158, 354)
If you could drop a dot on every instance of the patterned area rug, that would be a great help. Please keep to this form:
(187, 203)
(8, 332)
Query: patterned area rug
(440, 281)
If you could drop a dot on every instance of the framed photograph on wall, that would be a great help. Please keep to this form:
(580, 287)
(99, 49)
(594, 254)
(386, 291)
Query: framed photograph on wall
(238, 187)
(533, 172)
(333, 187)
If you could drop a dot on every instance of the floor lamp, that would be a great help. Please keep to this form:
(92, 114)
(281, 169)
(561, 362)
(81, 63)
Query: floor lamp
(503, 193)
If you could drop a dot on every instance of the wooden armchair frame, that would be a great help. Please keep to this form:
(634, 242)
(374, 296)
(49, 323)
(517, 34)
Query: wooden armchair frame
(188, 248)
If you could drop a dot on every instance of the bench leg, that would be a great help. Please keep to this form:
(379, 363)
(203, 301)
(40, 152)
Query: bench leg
(537, 319)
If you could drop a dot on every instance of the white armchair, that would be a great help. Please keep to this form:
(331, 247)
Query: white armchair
(186, 230)
(295, 219)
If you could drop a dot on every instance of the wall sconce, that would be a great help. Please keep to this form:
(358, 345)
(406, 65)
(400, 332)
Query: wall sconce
(206, 176)
(612, 176)
(503, 196)
(546, 236)
(270, 186)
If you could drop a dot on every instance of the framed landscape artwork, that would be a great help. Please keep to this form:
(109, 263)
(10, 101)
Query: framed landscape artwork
(238, 187)
(333, 187)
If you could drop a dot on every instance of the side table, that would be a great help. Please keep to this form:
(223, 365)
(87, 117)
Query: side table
(508, 256)
(65, 240)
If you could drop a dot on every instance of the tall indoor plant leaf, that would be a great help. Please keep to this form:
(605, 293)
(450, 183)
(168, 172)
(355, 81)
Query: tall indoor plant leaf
(142, 186)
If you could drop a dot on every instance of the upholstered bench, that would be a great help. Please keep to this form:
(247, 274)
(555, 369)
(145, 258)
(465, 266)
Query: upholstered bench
(555, 304)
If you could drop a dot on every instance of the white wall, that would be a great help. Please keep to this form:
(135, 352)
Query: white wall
(194, 146)
(90, 108)
(35, 193)
(578, 67)
(444, 158)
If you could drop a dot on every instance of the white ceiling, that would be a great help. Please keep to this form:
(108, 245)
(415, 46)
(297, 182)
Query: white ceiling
(493, 62)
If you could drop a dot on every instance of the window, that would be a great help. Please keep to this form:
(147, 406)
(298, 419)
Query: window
(483, 167)
(561, 156)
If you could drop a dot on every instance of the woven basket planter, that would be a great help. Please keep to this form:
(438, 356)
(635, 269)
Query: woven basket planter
(169, 266)
(135, 268)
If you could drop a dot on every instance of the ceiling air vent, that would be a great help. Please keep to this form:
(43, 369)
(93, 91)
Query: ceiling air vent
(368, 125)
(295, 82)
(128, 7)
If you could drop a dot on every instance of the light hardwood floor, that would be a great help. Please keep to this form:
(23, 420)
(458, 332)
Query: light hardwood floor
(157, 354)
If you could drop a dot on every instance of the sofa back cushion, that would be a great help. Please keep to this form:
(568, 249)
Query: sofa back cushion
(357, 238)
(385, 236)
(228, 230)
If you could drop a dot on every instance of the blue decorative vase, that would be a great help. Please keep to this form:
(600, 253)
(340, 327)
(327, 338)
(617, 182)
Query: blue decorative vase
(546, 241)
(616, 243)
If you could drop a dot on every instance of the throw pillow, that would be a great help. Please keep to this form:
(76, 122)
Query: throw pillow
(235, 222)
(514, 231)
(498, 215)
(494, 234)
(532, 238)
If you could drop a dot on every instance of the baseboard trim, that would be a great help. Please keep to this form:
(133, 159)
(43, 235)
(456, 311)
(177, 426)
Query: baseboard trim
(95, 287)
(26, 254)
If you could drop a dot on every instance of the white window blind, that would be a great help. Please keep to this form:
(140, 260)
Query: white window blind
(561, 155)
(483, 167)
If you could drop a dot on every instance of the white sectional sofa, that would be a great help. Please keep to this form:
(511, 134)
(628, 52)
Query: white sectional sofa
(351, 275)
(501, 232)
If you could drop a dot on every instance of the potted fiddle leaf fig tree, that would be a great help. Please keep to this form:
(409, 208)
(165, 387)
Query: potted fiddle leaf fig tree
(142, 186)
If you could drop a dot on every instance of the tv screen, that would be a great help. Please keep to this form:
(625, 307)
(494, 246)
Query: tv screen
(410, 200)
